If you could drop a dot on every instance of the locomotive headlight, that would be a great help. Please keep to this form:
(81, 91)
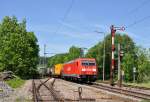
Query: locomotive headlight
(94, 70)
(83, 69)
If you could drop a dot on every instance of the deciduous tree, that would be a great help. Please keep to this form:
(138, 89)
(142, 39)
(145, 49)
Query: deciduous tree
(18, 47)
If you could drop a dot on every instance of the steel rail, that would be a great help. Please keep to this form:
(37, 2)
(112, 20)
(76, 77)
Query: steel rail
(54, 93)
(127, 92)
(35, 93)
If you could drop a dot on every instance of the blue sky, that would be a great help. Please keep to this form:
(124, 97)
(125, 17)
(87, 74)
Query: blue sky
(45, 18)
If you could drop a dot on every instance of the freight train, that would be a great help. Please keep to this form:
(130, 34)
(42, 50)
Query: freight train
(80, 69)
(56, 70)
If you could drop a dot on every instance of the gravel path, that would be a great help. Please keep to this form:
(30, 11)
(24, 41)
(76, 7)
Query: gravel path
(5, 90)
(22, 94)
(68, 90)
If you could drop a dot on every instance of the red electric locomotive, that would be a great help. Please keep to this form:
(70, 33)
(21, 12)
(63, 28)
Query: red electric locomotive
(81, 69)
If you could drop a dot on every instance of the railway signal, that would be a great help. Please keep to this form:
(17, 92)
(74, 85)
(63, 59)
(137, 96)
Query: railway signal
(121, 54)
(113, 31)
(134, 73)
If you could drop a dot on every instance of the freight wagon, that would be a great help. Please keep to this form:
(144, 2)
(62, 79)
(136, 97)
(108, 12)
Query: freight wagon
(81, 69)
(56, 70)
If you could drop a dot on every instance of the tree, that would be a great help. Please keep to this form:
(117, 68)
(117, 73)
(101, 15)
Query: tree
(97, 51)
(143, 65)
(127, 65)
(58, 58)
(18, 48)
(74, 52)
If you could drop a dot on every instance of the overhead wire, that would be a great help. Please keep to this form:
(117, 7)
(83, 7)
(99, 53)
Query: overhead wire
(138, 21)
(140, 6)
(130, 25)
(65, 16)
(134, 10)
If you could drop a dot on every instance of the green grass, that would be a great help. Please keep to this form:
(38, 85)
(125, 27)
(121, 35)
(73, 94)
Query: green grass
(23, 100)
(15, 82)
(147, 85)
(145, 101)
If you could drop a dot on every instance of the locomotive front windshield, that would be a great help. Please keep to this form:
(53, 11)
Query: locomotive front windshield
(88, 63)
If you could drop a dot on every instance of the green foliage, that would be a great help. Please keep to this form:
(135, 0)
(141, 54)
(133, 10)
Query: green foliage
(59, 58)
(97, 51)
(127, 65)
(141, 61)
(74, 52)
(133, 57)
(143, 65)
(15, 82)
(18, 48)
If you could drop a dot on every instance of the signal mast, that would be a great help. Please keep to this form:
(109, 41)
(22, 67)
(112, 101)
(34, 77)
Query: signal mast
(113, 31)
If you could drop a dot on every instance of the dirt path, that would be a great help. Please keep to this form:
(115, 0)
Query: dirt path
(22, 94)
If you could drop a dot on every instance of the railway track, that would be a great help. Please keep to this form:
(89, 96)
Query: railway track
(128, 92)
(44, 93)
(35, 92)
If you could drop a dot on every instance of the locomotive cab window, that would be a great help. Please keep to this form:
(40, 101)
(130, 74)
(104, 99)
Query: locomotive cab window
(88, 63)
(85, 63)
(91, 64)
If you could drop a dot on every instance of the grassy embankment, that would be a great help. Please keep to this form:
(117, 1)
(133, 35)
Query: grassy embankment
(15, 82)
(146, 84)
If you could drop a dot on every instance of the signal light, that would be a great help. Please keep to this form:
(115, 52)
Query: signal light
(121, 55)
